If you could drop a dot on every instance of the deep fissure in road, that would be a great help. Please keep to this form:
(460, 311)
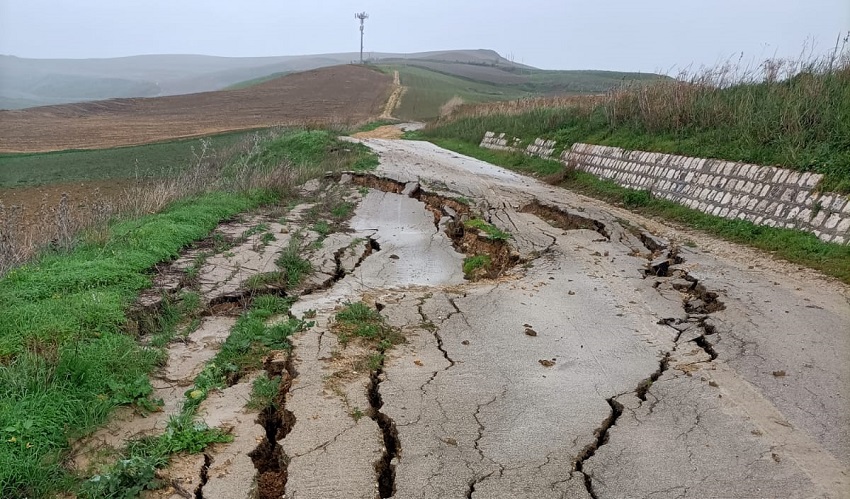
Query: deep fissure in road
(205, 476)
(563, 219)
(450, 216)
(601, 439)
(268, 457)
(385, 467)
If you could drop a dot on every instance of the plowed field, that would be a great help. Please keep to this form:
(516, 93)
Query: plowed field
(340, 94)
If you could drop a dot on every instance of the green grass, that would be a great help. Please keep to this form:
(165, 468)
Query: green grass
(253, 336)
(264, 392)
(69, 353)
(294, 267)
(792, 245)
(802, 123)
(135, 471)
(65, 359)
(358, 320)
(428, 90)
(474, 263)
(372, 125)
(491, 232)
(153, 160)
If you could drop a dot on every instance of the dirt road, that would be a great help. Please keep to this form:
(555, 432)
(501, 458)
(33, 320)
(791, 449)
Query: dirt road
(598, 358)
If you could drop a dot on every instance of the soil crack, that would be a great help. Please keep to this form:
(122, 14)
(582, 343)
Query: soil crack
(268, 457)
(205, 470)
(601, 435)
(385, 467)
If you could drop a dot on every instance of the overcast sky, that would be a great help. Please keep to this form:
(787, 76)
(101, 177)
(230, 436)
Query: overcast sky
(644, 35)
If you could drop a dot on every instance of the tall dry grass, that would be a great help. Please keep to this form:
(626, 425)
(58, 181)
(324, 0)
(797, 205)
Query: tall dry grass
(793, 113)
(60, 226)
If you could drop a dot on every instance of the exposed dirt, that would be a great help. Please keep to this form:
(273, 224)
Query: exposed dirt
(382, 132)
(37, 205)
(337, 95)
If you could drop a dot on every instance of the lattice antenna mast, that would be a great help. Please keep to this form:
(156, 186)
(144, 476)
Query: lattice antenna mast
(362, 16)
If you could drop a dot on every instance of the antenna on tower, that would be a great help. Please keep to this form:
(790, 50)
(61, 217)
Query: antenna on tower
(362, 16)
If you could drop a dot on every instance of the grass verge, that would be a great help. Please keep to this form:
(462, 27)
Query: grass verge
(68, 353)
(794, 114)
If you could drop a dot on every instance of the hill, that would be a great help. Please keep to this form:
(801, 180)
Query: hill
(337, 95)
(430, 84)
(35, 82)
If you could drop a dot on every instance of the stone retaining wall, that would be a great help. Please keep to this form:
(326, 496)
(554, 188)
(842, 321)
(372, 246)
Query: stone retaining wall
(764, 195)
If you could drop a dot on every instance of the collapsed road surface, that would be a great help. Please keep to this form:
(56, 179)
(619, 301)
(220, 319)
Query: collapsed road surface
(586, 353)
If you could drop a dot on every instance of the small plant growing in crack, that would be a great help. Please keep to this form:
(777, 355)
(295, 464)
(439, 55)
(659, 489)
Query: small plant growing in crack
(136, 470)
(267, 238)
(263, 393)
(357, 414)
(294, 267)
(358, 320)
(472, 265)
(342, 210)
(265, 280)
(322, 228)
(490, 231)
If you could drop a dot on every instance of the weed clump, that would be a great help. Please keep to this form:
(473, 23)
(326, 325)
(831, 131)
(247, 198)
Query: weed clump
(358, 320)
(474, 265)
(490, 231)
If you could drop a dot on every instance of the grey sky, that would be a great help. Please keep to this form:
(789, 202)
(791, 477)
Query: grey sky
(645, 35)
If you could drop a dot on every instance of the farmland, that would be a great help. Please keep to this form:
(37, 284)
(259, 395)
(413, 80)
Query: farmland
(430, 84)
(333, 96)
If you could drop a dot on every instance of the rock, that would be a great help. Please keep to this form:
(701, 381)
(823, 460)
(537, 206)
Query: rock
(546, 363)
(410, 189)
(660, 266)
(530, 332)
(345, 178)
(449, 211)
(682, 284)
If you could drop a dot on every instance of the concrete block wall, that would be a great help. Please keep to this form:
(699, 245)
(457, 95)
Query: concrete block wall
(764, 195)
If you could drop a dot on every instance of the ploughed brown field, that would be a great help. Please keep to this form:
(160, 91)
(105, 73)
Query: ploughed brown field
(336, 95)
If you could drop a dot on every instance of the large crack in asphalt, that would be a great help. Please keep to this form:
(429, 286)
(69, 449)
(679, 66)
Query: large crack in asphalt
(697, 303)
(450, 216)
(386, 465)
(268, 457)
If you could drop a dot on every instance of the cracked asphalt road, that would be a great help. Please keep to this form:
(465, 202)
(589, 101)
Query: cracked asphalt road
(611, 362)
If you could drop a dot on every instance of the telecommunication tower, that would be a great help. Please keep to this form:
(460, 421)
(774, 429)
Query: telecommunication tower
(362, 16)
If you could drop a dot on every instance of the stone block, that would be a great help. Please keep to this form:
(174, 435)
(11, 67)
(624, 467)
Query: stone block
(832, 221)
(792, 214)
(819, 218)
(751, 205)
(794, 178)
(843, 226)
(838, 203)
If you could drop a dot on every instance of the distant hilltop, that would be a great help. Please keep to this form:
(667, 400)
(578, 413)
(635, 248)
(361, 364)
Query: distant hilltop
(37, 82)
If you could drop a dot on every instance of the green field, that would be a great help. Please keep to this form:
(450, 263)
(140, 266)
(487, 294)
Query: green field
(428, 90)
(152, 160)
(431, 84)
